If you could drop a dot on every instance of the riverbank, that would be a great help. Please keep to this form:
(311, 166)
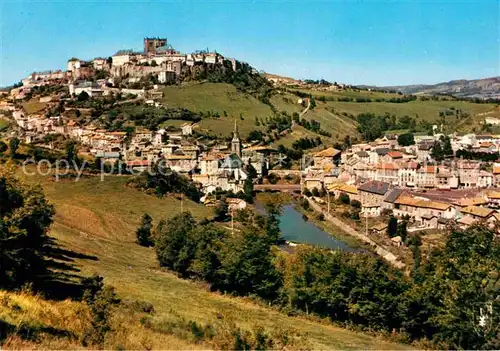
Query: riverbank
(378, 249)
(337, 238)
(333, 230)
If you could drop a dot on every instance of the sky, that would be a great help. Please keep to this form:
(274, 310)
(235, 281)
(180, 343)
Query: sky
(353, 42)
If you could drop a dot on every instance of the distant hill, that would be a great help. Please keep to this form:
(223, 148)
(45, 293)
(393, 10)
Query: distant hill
(486, 88)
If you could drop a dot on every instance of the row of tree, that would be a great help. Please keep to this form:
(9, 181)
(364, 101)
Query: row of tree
(451, 300)
(373, 126)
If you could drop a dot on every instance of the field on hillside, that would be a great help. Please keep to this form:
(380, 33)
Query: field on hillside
(350, 93)
(3, 124)
(426, 110)
(220, 97)
(33, 106)
(475, 123)
(99, 219)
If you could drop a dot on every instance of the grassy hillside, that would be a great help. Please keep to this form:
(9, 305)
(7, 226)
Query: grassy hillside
(3, 124)
(220, 97)
(99, 219)
(34, 106)
(217, 98)
(35, 323)
(426, 110)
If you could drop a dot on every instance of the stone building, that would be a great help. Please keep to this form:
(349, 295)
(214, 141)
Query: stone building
(151, 44)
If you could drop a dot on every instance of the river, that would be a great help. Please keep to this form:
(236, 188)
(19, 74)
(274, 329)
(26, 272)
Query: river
(295, 229)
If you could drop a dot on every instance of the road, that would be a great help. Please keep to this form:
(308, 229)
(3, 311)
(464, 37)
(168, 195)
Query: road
(379, 250)
(304, 111)
(277, 187)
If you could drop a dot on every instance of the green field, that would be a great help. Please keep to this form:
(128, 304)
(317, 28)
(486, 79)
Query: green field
(427, 110)
(34, 106)
(220, 97)
(3, 124)
(99, 218)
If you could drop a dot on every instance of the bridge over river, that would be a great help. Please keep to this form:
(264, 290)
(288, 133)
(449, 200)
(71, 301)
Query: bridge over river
(277, 187)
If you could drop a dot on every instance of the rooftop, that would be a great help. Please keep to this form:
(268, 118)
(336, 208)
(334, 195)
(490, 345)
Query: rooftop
(375, 187)
(478, 211)
(330, 152)
(422, 203)
(392, 196)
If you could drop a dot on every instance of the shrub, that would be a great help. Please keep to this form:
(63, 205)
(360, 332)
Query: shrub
(315, 192)
(344, 198)
(356, 204)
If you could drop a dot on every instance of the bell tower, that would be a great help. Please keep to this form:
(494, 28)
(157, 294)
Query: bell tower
(236, 143)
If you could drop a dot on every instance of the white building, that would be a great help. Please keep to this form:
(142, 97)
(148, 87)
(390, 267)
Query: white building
(74, 64)
(121, 58)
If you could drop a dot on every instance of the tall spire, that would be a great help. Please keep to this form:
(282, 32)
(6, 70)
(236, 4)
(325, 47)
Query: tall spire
(235, 130)
(236, 143)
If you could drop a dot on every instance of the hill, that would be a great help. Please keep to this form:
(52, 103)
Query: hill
(486, 88)
(228, 103)
(335, 110)
(99, 219)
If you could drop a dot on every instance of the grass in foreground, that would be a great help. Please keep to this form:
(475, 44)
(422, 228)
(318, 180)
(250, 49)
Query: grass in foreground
(100, 218)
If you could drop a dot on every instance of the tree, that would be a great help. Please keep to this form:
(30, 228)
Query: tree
(13, 146)
(247, 267)
(208, 241)
(392, 226)
(71, 150)
(3, 147)
(100, 299)
(315, 192)
(402, 230)
(143, 233)
(406, 139)
(457, 293)
(273, 231)
(25, 216)
(344, 198)
(312, 103)
(163, 180)
(447, 149)
(248, 185)
(83, 96)
(171, 240)
(347, 142)
(437, 152)
(356, 204)
(221, 211)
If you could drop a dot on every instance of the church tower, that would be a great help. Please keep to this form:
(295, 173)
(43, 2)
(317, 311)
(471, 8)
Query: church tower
(236, 143)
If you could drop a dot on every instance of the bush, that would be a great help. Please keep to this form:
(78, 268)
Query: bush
(344, 198)
(273, 178)
(315, 192)
(320, 217)
(100, 299)
(356, 204)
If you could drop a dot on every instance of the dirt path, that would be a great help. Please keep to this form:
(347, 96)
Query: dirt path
(304, 111)
(381, 251)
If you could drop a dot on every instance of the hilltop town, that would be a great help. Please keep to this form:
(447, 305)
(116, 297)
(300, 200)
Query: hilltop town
(156, 196)
(409, 178)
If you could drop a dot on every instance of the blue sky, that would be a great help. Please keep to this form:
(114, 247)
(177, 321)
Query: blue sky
(356, 42)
